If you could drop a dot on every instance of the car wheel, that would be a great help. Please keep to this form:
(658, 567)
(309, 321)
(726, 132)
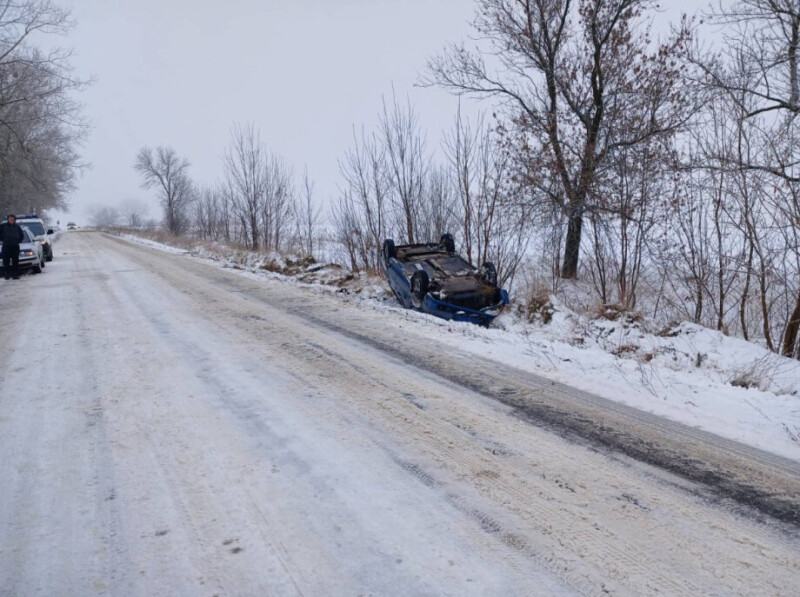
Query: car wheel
(489, 273)
(448, 243)
(389, 250)
(419, 288)
(37, 269)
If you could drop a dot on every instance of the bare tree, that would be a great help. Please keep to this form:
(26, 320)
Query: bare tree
(406, 160)
(134, 213)
(758, 74)
(210, 215)
(278, 207)
(622, 222)
(168, 172)
(40, 121)
(579, 79)
(356, 247)
(367, 187)
(493, 220)
(245, 177)
(437, 209)
(461, 146)
(307, 217)
(260, 188)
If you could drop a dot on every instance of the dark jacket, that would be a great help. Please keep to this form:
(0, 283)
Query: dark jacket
(11, 235)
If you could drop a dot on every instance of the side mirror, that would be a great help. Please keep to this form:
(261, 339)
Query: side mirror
(49, 231)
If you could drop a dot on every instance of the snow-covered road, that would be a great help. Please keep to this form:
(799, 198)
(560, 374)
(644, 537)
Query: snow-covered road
(169, 428)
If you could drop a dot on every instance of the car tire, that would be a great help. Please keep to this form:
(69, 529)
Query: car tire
(389, 250)
(448, 243)
(38, 268)
(420, 282)
(489, 273)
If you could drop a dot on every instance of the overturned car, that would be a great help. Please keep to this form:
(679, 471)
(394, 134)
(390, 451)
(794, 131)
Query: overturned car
(434, 279)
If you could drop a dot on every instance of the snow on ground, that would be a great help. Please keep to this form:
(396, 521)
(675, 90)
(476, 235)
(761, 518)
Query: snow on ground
(688, 373)
(156, 245)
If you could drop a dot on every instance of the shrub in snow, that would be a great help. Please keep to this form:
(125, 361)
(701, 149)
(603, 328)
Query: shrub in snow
(757, 374)
(538, 308)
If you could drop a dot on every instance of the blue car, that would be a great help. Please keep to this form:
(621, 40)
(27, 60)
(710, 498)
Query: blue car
(434, 279)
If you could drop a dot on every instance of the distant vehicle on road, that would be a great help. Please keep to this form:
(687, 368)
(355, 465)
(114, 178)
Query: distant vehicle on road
(71, 226)
(434, 279)
(42, 234)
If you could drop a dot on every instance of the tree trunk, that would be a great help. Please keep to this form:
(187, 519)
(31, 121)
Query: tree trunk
(172, 225)
(572, 245)
(253, 231)
(762, 282)
(746, 293)
(792, 329)
(793, 80)
(410, 226)
(720, 259)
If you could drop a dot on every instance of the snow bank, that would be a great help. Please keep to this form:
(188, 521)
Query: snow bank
(687, 373)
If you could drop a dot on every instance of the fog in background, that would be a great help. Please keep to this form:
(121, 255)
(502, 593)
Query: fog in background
(181, 72)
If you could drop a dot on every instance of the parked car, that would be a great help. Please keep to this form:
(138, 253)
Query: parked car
(31, 253)
(42, 234)
(434, 279)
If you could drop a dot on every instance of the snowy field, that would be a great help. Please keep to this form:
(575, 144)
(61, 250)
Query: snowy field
(689, 374)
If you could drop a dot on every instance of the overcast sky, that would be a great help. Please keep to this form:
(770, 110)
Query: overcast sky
(180, 72)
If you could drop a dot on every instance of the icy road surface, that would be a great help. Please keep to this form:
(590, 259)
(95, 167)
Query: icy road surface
(169, 428)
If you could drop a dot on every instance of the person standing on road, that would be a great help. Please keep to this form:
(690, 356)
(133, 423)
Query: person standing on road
(11, 236)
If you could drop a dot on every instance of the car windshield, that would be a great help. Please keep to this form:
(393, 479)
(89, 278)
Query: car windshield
(36, 228)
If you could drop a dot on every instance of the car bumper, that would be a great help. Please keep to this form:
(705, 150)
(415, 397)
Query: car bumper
(26, 262)
(458, 313)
